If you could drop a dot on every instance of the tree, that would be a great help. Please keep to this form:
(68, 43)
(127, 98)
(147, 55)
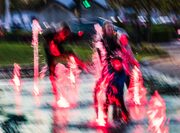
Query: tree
(27, 4)
(168, 6)
(17, 5)
(2, 7)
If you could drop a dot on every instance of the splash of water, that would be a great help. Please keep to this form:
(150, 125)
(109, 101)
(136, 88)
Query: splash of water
(74, 77)
(136, 91)
(99, 63)
(136, 95)
(62, 102)
(96, 65)
(101, 99)
(16, 78)
(62, 83)
(67, 80)
(157, 114)
(36, 29)
(43, 71)
(16, 83)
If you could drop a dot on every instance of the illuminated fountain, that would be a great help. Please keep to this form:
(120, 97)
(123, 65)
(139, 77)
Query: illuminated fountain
(16, 83)
(101, 100)
(16, 78)
(74, 73)
(98, 62)
(62, 83)
(43, 71)
(101, 85)
(157, 114)
(67, 81)
(136, 95)
(36, 29)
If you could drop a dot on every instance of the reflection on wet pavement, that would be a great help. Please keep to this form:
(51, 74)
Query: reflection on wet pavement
(24, 113)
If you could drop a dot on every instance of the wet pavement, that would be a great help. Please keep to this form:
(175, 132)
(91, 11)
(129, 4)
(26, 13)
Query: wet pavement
(22, 112)
(169, 65)
(25, 113)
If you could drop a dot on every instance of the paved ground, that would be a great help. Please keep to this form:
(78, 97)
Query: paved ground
(171, 64)
(25, 113)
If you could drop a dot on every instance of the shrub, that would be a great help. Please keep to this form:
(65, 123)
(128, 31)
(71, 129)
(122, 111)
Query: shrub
(18, 35)
(158, 33)
(162, 33)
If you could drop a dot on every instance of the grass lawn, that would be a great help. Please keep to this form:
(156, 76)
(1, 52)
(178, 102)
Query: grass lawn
(17, 52)
(22, 53)
(148, 51)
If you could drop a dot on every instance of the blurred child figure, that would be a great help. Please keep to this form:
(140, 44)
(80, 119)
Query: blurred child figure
(113, 74)
(129, 61)
(56, 41)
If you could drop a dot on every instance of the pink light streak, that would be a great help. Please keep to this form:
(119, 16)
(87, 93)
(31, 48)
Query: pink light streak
(136, 95)
(101, 98)
(16, 78)
(74, 73)
(157, 114)
(36, 29)
(42, 73)
(136, 91)
(62, 102)
(67, 80)
(62, 82)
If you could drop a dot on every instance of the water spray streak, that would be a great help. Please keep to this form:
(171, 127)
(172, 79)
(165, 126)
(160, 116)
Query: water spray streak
(101, 85)
(96, 65)
(67, 80)
(101, 98)
(157, 114)
(136, 95)
(62, 83)
(43, 71)
(74, 79)
(137, 91)
(16, 78)
(16, 83)
(36, 29)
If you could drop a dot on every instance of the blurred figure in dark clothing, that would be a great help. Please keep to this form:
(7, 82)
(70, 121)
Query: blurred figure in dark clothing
(115, 90)
(129, 60)
(56, 51)
(113, 75)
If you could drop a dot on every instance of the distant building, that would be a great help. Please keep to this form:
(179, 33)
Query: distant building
(55, 12)
(96, 10)
(22, 19)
